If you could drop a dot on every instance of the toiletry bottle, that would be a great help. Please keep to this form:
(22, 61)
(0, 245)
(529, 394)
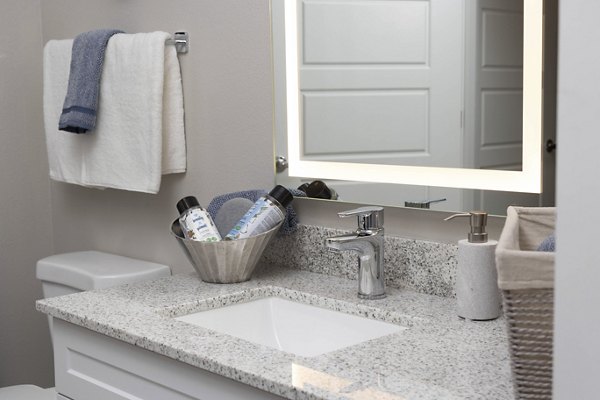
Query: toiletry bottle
(196, 223)
(477, 293)
(265, 214)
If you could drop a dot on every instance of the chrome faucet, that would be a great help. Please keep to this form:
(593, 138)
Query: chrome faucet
(367, 241)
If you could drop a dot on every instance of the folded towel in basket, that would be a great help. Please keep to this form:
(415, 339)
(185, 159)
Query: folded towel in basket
(139, 132)
(549, 244)
(81, 102)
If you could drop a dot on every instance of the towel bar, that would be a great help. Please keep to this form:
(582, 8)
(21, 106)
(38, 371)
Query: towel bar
(180, 40)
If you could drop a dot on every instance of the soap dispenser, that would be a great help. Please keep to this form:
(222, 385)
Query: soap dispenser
(477, 293)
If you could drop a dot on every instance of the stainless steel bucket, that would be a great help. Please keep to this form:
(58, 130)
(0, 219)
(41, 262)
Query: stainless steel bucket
(227, 261)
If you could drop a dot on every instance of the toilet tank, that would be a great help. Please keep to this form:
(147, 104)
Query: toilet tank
(68, 273)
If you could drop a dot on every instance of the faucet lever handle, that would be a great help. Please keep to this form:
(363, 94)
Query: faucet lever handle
(369, 217)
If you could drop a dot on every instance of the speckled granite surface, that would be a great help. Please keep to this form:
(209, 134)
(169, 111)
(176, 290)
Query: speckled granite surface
(425, 267)
(438, 357)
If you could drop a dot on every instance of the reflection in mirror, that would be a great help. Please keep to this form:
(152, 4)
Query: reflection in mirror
(428, 93)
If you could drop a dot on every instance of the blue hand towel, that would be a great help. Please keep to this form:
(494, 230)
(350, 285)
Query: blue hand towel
(289, 225)
(549, 244)
(81, 102)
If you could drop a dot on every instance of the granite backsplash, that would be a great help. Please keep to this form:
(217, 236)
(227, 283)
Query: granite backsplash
(425, 267)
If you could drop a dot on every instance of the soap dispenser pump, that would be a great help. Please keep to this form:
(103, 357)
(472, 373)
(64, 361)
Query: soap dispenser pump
(477, 293)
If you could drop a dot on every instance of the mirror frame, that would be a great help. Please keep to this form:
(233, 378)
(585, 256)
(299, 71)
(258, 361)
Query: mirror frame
(528, 180)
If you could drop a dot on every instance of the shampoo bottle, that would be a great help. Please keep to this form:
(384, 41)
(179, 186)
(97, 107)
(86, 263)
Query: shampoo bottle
(195, 222)
(265, 213)
(477, 293)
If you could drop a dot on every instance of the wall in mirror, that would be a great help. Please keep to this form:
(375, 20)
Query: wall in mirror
(433, 83)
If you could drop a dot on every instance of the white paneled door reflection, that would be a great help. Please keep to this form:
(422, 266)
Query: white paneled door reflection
(375, 80)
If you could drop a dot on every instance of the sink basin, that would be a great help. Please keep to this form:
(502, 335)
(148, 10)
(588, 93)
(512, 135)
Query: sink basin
(293, 327)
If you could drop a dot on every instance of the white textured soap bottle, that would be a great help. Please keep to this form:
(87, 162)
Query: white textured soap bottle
(477, 293)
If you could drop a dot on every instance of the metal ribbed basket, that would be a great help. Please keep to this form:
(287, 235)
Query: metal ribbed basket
(227, 261)
(526, 277)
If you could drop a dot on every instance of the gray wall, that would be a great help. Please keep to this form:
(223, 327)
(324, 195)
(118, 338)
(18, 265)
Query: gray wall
(25, 232)
(577, 294)
(228, 105)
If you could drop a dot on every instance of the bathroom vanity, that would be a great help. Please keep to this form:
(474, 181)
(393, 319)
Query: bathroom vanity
(126, 342)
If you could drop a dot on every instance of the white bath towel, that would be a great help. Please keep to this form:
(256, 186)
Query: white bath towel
(139, 133)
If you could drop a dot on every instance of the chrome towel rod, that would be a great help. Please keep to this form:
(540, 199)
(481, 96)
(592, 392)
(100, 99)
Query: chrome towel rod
(181, 42)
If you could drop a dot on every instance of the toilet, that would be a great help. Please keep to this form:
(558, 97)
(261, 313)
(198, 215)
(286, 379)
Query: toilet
(69, 273)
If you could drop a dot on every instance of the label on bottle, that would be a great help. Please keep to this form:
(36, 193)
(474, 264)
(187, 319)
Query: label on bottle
(197, 224)
(261, 217)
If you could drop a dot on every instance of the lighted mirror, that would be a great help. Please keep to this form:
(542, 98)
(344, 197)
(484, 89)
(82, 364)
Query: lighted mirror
(431, 94)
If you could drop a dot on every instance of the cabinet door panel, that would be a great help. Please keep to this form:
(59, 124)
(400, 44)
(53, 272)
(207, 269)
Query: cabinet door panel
(91, 366)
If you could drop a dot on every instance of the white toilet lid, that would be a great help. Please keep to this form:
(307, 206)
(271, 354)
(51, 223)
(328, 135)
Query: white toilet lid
(88, 270)
(27, 392)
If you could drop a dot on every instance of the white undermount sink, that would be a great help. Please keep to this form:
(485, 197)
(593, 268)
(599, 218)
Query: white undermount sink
(293, 327)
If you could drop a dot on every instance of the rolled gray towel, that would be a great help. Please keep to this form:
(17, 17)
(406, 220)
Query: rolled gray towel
(230, 213)
(290, 224)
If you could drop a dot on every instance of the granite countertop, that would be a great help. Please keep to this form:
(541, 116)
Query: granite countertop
(438, 357)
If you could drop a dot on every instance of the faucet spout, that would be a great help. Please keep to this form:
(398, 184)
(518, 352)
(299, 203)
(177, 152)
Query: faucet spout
(369, 246)
(341, 243)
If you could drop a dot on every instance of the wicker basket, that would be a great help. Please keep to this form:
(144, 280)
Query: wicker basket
(526, 277)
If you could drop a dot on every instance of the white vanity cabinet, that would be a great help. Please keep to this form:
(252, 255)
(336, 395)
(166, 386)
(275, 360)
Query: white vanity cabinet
(92, 366)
